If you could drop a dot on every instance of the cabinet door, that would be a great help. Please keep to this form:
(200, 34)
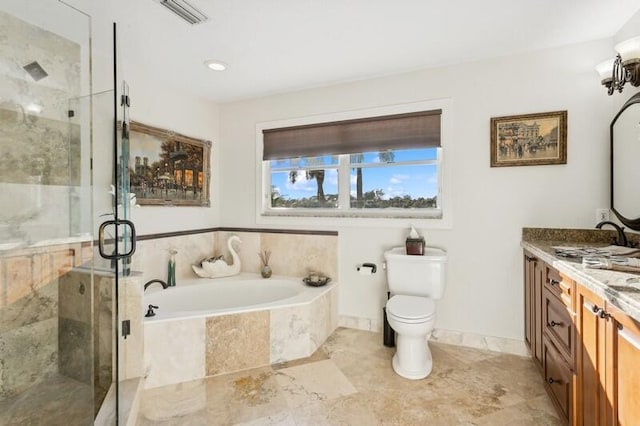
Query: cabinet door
(624, 370)
(529, 269)
(592, 404)
(538, 273)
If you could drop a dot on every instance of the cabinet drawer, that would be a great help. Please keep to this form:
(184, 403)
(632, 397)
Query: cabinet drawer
(552, 280)
(568, 292)
(559, 379)
(559, 325)
(560, 285)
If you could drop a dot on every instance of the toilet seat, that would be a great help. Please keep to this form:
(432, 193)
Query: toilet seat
(411, 309)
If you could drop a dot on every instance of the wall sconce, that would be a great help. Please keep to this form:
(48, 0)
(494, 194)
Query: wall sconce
(624, 68)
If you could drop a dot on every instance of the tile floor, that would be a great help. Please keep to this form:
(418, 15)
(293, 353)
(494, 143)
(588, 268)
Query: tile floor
(58, 400)
(349, 381)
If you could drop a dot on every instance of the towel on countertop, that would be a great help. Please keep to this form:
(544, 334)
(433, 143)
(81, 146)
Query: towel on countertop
(608, 251)
(614, 263)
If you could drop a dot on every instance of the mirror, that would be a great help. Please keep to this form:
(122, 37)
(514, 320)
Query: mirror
(625, 161)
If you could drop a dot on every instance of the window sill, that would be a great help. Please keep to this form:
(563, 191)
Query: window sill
(341, 219)
(435, 214)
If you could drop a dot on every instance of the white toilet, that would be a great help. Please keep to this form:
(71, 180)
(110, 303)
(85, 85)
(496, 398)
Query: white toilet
(414, 282)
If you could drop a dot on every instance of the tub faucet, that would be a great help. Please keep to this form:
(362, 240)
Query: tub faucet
(621, 238)
(164, 284)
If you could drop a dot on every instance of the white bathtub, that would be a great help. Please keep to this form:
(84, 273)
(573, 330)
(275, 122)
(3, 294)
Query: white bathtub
(203, 297)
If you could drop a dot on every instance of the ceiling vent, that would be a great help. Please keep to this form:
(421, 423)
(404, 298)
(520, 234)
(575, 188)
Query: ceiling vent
(185, 11)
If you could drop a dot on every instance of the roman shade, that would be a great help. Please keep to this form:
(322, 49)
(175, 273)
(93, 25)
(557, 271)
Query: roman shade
(398, 131)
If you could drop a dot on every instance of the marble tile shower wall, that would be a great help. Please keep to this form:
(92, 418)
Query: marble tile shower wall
(34, 318)
(41, 147)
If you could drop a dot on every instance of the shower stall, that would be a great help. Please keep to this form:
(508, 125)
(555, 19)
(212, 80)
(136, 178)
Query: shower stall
(59, 323)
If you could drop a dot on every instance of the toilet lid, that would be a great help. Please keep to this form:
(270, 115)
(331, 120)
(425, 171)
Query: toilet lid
(411, 307)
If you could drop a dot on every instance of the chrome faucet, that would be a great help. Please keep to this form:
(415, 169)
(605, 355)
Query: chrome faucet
(621, 238)
(164, 284)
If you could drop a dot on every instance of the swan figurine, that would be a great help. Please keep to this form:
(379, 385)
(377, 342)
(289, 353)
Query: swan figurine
(218, 267)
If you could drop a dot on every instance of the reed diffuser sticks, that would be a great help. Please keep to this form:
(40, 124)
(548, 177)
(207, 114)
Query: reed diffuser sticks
(265, 255)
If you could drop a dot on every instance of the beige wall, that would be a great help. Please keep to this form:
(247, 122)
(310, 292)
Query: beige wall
(490, 205)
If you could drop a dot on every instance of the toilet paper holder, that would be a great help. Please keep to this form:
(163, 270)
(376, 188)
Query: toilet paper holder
(369, 268)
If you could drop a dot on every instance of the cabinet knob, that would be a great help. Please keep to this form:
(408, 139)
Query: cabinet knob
(551, 380)
(604, 314)
(596, 309)
(553, 282)
(553, 323)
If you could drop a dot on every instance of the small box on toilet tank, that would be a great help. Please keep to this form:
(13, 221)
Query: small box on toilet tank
(415, 246)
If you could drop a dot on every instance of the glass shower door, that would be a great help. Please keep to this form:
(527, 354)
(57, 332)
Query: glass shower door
(58, 303)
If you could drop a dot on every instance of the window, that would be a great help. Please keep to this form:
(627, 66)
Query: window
(394, 179)
(387, 165)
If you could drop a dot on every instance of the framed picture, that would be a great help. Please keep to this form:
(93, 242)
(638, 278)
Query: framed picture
(529, 140)
(167, 168)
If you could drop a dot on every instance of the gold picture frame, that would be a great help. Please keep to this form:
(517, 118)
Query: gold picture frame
(529, 139)
(167, 168)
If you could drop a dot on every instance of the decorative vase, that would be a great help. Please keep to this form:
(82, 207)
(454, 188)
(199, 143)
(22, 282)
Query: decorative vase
(266, 271)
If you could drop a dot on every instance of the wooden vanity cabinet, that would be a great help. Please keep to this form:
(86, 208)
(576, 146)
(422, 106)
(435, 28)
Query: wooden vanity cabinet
(608, 364)
(550, 329)
(588, 349)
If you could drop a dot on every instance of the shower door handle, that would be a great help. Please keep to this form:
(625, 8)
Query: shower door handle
(116, 223)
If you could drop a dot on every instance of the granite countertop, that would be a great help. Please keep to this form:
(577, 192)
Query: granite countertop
(621, 289)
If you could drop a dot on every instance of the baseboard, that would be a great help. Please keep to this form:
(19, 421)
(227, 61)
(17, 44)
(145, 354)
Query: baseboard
(450, 337)
(366, 324)
(478, 341)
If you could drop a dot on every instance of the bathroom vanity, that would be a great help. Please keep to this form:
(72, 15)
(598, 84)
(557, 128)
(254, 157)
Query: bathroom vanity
(583, 328)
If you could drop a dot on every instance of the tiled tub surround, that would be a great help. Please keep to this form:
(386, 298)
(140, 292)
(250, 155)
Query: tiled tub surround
(183, 349)
(152, 255)
(620, 288)
(294, 253)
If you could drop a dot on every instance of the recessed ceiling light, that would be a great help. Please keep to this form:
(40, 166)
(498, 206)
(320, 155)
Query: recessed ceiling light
(215, 65)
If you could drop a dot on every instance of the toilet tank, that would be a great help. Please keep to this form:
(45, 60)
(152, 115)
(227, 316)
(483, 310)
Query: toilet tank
(416, 275)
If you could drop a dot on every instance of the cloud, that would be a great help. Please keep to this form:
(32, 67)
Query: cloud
(331, 177)
(302, 184)
(394, 191)
(396, 179)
